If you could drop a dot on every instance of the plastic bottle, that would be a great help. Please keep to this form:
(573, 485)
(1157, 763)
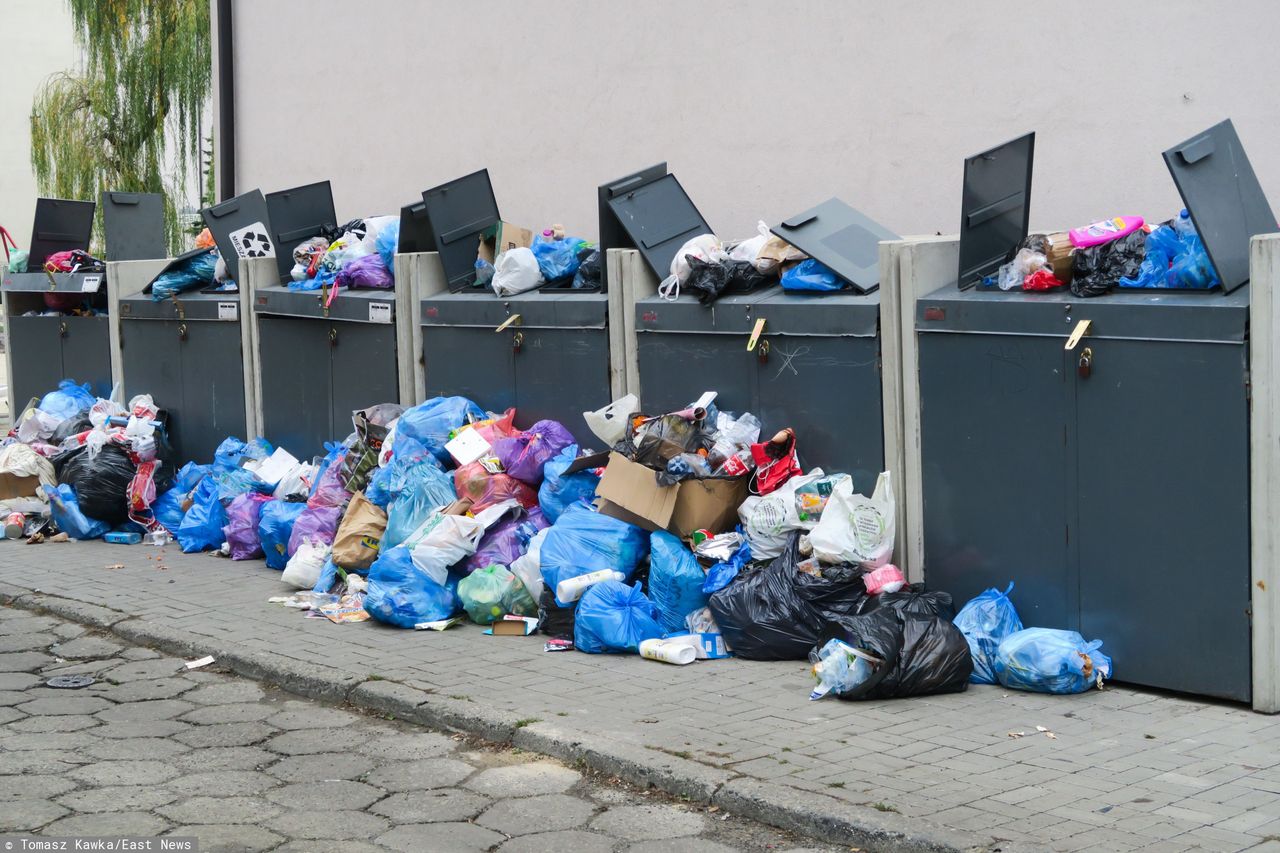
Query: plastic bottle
(679, 654)
(1183, 225)
(571, 589)
(120, 537)
(1104, 231)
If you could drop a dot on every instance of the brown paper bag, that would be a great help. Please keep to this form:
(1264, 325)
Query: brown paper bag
(356, 544)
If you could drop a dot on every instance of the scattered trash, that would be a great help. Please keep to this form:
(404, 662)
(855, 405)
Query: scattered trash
(196, 664)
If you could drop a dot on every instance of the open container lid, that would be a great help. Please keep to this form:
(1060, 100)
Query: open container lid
(458, 213)
(612, 234)
(241, 228)
(1223, 196)
(60, 225)
(298, 214)
(415, 230)
(650, 211)
(134, 226)
(840, 238)
(995, 207)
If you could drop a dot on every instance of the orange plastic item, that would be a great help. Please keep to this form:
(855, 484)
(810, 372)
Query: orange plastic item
(204, 240)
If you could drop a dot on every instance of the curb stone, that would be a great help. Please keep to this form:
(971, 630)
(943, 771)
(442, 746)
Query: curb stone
(810, 814)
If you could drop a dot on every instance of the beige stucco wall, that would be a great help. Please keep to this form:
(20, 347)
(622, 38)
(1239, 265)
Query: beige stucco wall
(761, 107)
(38, 42)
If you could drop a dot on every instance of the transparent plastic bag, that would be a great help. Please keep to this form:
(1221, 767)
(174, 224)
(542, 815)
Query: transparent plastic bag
(492, 592)
(1047, 660)
(985, 621)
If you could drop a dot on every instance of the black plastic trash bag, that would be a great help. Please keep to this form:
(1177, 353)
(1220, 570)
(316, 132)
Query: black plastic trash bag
(707, 279)
(743, 277)
(102, 483)
(912, 599)
(70, 427)
(553, 620)
(920, 654)
(589, 272)
(763, 617)
(1097, 269)
(838, 592)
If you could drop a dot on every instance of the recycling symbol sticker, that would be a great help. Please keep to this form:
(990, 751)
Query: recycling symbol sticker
(252, 241)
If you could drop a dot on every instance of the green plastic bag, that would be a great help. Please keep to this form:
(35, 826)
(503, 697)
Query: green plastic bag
(18, 260)
(490, 593)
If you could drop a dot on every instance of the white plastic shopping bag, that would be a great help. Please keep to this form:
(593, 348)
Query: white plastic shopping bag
(610, 423)
(304, 567)
(855, 528)
(769, 519)
(515, 271)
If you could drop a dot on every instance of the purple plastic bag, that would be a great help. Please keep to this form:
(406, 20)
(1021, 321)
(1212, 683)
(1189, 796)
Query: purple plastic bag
(241, 531)
(317, 523)
(329, 491)
(523, 455)
(506, 540)
(368, 272)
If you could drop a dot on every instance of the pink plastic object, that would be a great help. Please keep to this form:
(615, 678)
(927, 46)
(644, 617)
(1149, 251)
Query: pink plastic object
(1104, 231)
(884, 579)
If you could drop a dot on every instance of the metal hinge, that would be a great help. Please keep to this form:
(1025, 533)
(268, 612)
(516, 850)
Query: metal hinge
(1248, 386)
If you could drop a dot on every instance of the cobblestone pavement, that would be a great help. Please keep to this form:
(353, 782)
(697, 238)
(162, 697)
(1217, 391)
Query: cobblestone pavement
(153, 749)
(1128, 769)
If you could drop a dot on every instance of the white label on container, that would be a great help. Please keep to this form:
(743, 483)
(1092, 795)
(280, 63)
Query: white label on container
(228, 311)
(91, 284)
(379, 312)
(252, 241)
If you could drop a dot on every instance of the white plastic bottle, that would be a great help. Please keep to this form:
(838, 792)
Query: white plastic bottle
(571, 589)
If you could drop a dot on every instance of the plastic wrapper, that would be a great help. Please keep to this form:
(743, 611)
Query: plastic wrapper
(432, 422)
(675, 580)
(559, 490)
(316, 524)
(241, 530)
(68, 401)
(1041, 281)
(516, 271)
(492, 592)
(1097, 269)
(425, 489)
(985, 621)
(590, 269)
(1027, 261)
(188, 274)
(523, 455)
(66, 513)
(585, 541)
(614, 617)
(366, 273)
(403, 595)
(201, 527)
(553, 620)
(506, 541)
(921, 653)
(812, 276)
(485, 490)
(359, 536)
(1047, 660)
(275, 523)
(557, 259)
(306, 258)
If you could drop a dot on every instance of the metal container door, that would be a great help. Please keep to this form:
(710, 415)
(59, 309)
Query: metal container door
(995, 477)
(363, 365)
(559, 374)
(36, 350)
(676, 367)
(213, 383)
(86, 352)
(152, 360)
(470, 362)
(1163, 534)
(294, 356)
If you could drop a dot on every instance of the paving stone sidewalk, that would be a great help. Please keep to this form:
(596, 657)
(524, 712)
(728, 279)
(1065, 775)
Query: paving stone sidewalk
(1128, 769)
(150, 748)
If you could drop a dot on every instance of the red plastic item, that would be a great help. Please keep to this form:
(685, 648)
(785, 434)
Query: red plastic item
(485, 489)
(776, 462)
(884, 579)
(1042, 280)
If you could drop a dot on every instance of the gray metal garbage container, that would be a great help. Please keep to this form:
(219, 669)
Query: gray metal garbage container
(1109, 480)
(809, 345)
(545, 352)
(45, 342)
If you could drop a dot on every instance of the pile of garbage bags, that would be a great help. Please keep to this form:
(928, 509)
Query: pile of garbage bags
(427, 516)
(359, 254)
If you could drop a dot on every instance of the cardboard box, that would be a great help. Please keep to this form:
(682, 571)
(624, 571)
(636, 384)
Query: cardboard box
(501, 237)
(630, 492)
(13, 486)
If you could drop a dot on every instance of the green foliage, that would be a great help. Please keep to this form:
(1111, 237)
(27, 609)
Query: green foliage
(132, 121)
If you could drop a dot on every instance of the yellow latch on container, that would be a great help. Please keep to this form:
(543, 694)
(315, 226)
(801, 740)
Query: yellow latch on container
(513, 320)
(755, 335)
(1081, 329)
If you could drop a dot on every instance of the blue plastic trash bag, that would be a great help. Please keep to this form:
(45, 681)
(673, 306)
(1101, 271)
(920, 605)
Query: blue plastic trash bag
(425, 490)
(1161, 247)
(234, 482)
(201, 527)
(167, 509)
(328, 576)
(187, 274)
(387, 242)
(68, 401)
(401, 594)
(614, 617)
(810, 275)
(275, 524)
(189, 476)
(675, 580)
(556, 258)
(986, 620)
(1048, 660)
(585, 541)
(559, 491)
(722, 574)
(431, 422)
(67, 515)
(401, 473)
